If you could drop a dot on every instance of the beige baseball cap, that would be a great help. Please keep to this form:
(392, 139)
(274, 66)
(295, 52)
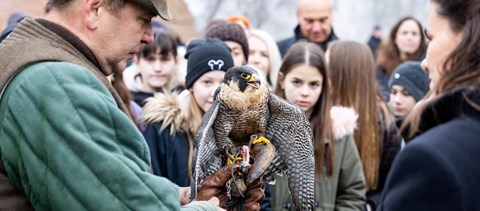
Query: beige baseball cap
(158, 7)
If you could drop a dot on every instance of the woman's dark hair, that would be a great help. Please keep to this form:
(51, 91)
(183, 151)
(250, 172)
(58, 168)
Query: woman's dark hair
(164, 41)
(462, 66)
(389, 55)
(304, 53)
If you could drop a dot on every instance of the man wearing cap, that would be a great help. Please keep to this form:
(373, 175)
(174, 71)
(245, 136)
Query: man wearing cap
(66, 140)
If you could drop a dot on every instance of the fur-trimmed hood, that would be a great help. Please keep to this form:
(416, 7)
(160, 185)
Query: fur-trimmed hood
(344, 121)
(170, 109)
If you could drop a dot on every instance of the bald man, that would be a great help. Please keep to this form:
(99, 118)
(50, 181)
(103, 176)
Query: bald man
(314, 24)
(67, 142)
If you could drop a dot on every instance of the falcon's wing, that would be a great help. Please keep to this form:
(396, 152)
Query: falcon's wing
(289, 131)
(206, 154)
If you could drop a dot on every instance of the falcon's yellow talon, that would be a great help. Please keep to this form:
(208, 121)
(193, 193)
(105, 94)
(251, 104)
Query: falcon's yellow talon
(262, 139)
(230, 159)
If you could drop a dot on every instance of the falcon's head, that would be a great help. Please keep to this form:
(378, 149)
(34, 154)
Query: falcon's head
(242, 89)
(244, 77)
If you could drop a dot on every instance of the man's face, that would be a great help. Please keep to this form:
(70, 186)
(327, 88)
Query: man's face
(315, 20)
(119, 36)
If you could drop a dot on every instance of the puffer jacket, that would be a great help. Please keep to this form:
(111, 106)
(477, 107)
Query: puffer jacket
(345, 189)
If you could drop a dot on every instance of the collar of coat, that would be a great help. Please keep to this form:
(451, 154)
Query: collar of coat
(44, 44)
(299, 36)
(169, 109)
(451, 105)
(344, 121)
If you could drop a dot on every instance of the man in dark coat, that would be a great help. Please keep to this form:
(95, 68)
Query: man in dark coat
(314, 25)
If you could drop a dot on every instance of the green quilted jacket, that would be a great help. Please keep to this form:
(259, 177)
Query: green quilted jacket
(65, 143)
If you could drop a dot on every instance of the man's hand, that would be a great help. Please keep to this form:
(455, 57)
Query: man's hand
(215, 186)
(184, 193)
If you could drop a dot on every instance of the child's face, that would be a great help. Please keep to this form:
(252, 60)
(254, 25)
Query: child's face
(237, 53)
(258, 55)
(303, 86)
(401, 101)
(204, 88)
(156, 70)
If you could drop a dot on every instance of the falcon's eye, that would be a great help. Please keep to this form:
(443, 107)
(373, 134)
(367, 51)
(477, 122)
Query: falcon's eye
(245, 75)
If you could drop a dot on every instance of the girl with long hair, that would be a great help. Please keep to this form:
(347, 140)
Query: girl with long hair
(353, 84)
(339, 180)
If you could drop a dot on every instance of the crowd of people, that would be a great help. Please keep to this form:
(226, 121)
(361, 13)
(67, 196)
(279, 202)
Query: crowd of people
(93, 118)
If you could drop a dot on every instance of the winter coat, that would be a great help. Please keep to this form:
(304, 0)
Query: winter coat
(66, 144)
(391, 144)
(345, 188)
(284, 45)
(439, 169)
(166, 135)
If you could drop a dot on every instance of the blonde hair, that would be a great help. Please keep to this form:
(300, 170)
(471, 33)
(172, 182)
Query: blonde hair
(195, 115)
(274, 56)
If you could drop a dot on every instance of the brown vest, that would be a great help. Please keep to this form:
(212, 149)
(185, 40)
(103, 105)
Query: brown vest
(30, 43)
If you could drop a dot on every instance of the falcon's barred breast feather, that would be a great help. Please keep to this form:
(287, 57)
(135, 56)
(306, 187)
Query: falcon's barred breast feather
(244, 107)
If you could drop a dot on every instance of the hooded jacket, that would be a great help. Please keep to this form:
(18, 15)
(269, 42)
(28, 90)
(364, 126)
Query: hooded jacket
(345, 189)
(166, 116)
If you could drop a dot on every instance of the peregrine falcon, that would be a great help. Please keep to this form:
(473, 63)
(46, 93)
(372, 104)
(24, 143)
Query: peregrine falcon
(246, 115)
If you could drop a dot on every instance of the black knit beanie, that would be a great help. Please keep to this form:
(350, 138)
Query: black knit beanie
(228, 31)
(205, 55)
(411, 77)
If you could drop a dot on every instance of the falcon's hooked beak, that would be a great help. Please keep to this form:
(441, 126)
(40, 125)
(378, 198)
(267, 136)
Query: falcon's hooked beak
(254, 82)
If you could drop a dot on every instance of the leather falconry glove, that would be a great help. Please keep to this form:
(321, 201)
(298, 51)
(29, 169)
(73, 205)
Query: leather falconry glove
(216, 185)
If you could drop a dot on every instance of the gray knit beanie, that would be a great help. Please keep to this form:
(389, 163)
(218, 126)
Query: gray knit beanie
(411, 77)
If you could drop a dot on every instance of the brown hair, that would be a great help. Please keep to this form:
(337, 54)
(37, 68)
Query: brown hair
(389, 56)
(119, 86)
(304, 53)
(164, 41)
(462, 66)
(164, 44)
(353, 83)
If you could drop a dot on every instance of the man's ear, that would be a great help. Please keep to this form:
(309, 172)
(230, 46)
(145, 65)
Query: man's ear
(92, 10)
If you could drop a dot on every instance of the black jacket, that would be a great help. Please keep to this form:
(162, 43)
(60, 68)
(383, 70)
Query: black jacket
(169, 153)
(284, 45)
(440, 168)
